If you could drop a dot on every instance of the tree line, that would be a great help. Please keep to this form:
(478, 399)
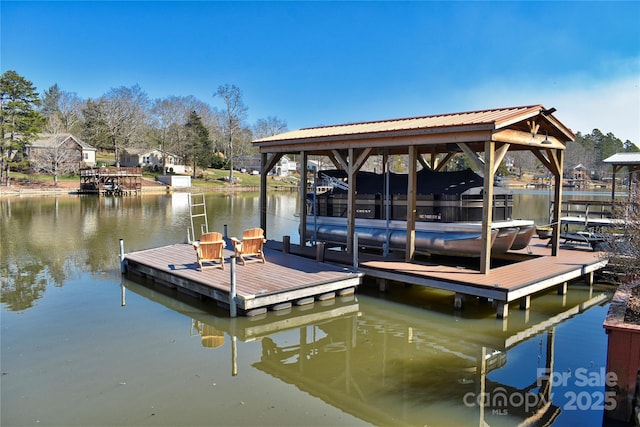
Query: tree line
(202, 135)
(125, 117)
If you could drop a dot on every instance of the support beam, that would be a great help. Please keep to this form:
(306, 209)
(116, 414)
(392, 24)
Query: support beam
(458, 301)
(302, 198)
(525, 302)
(557, 202)
(411, 204)
(383, 285)
(487, 206)
(442, 163)
(473, 156)
(562, 288)
(502, 309)
(263, 192)
(351, 200)
(500, 153)
(588, 279)
(613, 182)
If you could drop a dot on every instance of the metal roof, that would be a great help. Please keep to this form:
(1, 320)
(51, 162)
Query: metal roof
(490, 120)
(48, 140)
(623, 159)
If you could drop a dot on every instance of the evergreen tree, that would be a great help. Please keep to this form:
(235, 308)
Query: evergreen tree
(198, 143)
(20, 122)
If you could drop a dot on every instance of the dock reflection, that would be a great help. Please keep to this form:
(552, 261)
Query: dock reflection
(389, 364)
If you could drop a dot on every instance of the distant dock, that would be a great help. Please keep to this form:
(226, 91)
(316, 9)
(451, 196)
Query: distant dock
(111, 181)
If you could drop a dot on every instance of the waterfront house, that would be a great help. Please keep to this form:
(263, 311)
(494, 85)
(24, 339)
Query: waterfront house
(79, 152)
(153, 159)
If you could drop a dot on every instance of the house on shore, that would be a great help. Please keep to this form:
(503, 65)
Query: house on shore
(64, 147)
(153, 159)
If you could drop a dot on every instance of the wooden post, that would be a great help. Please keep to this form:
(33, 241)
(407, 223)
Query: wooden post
(320, 252)
(302, 198)
(487, 206)
(562, 288)
(557, 204)
(502, 308)
(355, 251)
(525, 302)
(351, 200)
(226, 235)
(263, 193)
(458, 301)
(411, 204)
(232, 288)
(286, 244)
(122, 263)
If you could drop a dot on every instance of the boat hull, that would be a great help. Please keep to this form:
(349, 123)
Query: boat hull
(451, 239)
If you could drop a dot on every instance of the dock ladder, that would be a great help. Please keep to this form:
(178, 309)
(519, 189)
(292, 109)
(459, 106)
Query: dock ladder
(198, 214)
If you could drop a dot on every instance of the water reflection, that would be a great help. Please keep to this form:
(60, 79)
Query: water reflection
(47, 241)
(391, 363)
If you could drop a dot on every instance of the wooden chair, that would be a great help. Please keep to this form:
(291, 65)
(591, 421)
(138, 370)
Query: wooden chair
(250, 246)
(210, 249)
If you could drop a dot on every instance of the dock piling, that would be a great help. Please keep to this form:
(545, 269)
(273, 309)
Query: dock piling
(355, 251)
(320, 251)
(122, 263)
(232, 288)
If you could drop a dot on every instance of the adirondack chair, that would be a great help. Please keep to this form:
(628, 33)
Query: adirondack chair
(250, 245)
(210, 249)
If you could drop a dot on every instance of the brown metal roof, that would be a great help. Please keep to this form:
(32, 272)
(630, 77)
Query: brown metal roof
(487, 120)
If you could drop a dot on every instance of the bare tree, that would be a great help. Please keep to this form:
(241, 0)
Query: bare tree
(66, 107)
(234, 114)
(624, 247)
(120, 116)
(168, 116)
(56, 158)
(269, 127)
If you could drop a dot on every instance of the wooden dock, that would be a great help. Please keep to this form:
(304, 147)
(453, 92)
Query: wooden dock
(279, 283)
(522, 277)
(516, 277)
(296, 277)
(116, 181)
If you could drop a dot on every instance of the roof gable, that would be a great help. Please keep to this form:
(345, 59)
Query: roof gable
(47, 140)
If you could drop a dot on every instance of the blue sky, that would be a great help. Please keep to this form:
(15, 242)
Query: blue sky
(321, 63)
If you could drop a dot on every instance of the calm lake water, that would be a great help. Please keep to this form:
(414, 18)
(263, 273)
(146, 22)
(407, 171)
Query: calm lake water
(83, 346)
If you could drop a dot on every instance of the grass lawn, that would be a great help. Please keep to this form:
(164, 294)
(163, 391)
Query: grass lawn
(206, 178)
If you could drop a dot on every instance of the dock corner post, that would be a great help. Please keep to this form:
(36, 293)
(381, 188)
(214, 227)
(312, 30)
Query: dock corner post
(562, 288)
(286, 244)
(122, 263)
(232, 288)
(226, 236)
(502, 309)
(525, 302)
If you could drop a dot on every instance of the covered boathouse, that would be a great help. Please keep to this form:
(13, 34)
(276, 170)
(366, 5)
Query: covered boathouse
(485, 137)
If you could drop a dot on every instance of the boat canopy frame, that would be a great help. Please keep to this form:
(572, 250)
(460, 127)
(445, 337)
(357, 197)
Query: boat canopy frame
(485, 136)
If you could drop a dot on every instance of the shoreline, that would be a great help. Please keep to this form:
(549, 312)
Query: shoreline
(155, 189)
